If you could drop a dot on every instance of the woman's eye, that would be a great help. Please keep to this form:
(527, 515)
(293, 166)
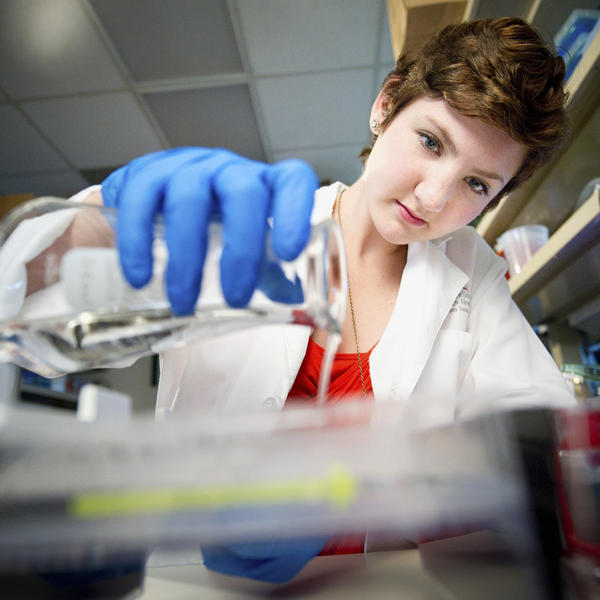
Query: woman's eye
(478, 186)
(429, 142)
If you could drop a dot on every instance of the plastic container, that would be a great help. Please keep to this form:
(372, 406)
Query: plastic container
(574, 37)
(578, 436)
(520, 244)
(70, 491)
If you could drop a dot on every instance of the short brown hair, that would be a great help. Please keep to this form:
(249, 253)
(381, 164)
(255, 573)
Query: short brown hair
(497, 70)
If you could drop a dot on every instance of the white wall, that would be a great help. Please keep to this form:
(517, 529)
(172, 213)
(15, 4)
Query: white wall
(9, 376)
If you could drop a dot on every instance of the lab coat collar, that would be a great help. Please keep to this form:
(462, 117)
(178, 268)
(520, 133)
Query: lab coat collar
(324, 200)
(430, 284)
(441, 242)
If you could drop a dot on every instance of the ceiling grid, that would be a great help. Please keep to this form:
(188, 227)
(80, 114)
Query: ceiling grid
(122, 69)
(87, 85)
(254, 99)
(97, 82)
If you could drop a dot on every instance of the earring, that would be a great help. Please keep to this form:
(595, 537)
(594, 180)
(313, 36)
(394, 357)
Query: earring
(375, 126)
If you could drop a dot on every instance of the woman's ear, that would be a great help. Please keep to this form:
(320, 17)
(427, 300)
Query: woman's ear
(381, 109)
(378, 108)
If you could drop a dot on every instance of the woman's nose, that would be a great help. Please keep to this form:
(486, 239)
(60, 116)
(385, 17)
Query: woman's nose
(433, 191)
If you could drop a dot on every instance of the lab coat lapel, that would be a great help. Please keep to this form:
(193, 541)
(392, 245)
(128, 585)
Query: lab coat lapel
(430, 285)
(295, 341)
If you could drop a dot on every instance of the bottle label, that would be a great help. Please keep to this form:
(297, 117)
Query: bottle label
(91, 277)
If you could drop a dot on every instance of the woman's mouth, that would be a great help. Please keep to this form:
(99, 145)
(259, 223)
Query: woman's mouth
(408, 216)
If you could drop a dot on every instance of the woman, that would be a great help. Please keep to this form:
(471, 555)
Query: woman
(431, 324)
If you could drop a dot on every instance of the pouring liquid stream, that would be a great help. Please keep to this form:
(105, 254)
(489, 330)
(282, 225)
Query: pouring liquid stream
(331, 346)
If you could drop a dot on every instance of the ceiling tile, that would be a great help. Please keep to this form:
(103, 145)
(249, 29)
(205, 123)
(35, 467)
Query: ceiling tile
(214, 117)
(171, 39)
(386, 52)
(306, 35)
(52, 184)
(95, 131)
(316, 110)
(49, 47)
(95, 176)
(23, 149)
(340, 163)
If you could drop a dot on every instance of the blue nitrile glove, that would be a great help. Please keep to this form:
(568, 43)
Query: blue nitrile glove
(189, 186)
(276, 285)
(275, 561)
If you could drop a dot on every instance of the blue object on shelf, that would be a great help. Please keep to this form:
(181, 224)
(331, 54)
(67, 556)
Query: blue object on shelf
(575, 35)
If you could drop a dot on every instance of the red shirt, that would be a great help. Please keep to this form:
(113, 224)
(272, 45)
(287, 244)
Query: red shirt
(345, 376)
(344, 384)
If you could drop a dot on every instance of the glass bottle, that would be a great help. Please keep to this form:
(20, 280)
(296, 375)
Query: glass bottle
(65, 306)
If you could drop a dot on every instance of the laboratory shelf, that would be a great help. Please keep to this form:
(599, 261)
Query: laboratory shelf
(577, 235)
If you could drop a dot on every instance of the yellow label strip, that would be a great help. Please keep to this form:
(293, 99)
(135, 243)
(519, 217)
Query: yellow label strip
(339, 488)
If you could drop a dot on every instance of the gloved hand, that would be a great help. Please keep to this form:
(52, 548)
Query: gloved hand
(275, 561)
(189, 186)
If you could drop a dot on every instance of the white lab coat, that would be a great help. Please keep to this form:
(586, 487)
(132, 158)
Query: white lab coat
(456, 345)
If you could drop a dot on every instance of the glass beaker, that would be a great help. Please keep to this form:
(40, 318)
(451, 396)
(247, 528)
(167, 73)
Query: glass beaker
(65, 306)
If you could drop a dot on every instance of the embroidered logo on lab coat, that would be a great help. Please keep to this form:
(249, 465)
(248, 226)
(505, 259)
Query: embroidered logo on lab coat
(459, 312)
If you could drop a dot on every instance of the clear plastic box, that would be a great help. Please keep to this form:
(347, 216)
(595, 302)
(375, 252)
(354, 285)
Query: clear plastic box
(72, 492)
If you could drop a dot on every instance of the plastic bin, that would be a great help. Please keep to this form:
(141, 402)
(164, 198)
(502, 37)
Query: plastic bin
(575, 35)
(520, 244)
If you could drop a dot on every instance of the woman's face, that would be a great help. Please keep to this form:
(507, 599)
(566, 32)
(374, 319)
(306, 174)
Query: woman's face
(433, 170)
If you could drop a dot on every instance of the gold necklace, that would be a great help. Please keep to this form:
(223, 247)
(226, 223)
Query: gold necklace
(338, 201)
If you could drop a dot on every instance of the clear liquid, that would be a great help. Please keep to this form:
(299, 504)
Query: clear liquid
(331, 346)
(53, 347)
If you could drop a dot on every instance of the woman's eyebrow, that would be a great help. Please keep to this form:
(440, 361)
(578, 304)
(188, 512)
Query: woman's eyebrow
(450, 145)
(490, 175)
